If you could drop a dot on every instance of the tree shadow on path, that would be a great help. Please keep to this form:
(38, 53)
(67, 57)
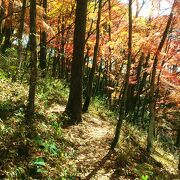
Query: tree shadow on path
(100, 164)
(129, 167)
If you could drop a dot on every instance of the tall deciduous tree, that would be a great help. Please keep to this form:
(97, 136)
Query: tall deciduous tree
(33, 63)
(152, 99)
(20, 32)
(91, 75)
(43, 37)
(8, 28)
(2, 14)
(123, 99)
(74, 105)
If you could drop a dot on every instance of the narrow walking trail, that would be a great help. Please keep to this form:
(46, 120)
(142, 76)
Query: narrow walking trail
(90, 141)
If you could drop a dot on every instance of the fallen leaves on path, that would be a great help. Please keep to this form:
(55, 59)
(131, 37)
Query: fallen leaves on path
(92, 139)
(89, 142)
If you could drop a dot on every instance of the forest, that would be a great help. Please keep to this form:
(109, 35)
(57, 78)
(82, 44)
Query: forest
(90, 89)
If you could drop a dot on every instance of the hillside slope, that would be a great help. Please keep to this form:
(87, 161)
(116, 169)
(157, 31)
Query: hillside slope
(75, 152)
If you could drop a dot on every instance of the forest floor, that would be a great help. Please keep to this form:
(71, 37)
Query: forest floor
(94, 160)
(75, 152)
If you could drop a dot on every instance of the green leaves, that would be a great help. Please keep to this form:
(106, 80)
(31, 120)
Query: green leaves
(144, 171)
(39, 166)
(39, 162)
(144, 177)
(48, 146)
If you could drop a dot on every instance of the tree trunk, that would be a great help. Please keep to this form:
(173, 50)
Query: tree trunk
(91, 75)
(54, 66)
(33, 63)
(109, 36)
(138, 7)
(140, 85)
(2, 13)
(20, 34)
(74, 105)
(152, 100)
(99, 78)
(178, 144)
(42, 62)
(178, 138)
(62, 49)
(123, 100)
(8, 28)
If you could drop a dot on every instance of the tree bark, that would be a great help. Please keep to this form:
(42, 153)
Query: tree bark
(8, 28)
(62, 49)
(178, 138)
(74, 105)
(152, 101)
(109, 34)
(20, 34)
(89, 88)
(123, 99)
(141, 84)
(33, 63)
(2, 13)
(43, 52)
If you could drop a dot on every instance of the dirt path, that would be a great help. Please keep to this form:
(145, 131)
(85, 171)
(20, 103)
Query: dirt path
(92, 139)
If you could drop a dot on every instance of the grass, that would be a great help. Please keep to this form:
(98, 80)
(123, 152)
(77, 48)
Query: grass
(99, 108)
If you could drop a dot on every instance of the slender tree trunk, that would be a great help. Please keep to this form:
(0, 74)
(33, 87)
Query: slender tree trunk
(99, 78)
(109, 34)
(20, 34)
(8, 28)
(74, 105)
(138, 7)
(139, 84)
(152, 100)
(140, 89)
(24, 70)
(139, 70)
(43, 51)
(33, 63)
(178, 138)
(178, 144)
(54, 66)
(124, 96)
(96, 48)
(62, 50)
(49, 59)
(2, 13)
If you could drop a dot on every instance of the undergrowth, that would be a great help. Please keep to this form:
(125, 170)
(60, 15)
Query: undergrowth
(99, 108)
(46, 153)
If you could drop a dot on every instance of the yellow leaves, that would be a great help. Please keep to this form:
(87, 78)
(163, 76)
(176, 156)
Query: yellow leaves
(60, 7)
(111, 44)
(92, 12)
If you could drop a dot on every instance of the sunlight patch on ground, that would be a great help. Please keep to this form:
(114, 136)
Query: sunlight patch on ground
(56, 108)
(99, 129)
(103, 175)
(92, 138)
(167, 160)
